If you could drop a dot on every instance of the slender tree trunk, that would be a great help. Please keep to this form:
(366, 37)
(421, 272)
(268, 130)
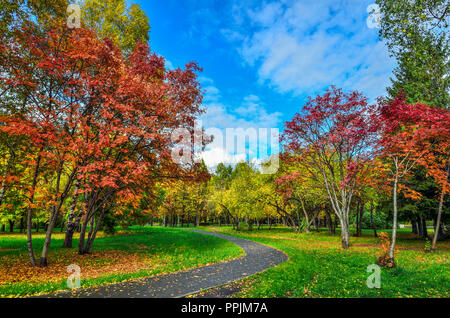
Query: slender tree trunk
(93, 232)
(345, 233)
(197, 219)
(414, 227)
(11, 226)
(30, 210)
(358, 230)
(299, 223)
(420, 226)
(48, 236)
(75, 227)
(329, 222)
(424, 226)
(374, 226)
(437, 227)
(71, 226)
(308, 224)
(92, 238)
(83, 235)
(394, 222)
(361, 214)
(22, 225)
(54, 215)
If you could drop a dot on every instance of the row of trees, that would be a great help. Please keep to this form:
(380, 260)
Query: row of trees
(341, 157)
(87, 116)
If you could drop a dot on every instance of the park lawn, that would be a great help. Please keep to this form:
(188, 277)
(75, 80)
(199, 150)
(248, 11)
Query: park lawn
(319, 267)
(139, 252)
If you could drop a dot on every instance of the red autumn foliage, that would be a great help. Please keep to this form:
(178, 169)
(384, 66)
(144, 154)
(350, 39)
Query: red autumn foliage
(98, 117)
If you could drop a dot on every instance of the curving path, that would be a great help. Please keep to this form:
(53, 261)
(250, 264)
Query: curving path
(258, 258)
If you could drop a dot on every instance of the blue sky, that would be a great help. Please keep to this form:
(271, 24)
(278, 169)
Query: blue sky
(261, 59)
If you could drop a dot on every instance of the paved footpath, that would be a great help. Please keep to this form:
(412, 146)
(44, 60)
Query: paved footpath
(258, 258)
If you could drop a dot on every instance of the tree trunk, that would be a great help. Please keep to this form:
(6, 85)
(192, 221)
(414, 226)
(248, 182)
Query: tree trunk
(93, 234)
(420, 226)
(437, 227)
(48, 237)
(75, 226)
(308, 224)
(329, 222)
(361, 214)
(83, 235)
(316, 225)
(394, 222)
(358, 230)
(197, 219)
(22, 225)
(71, 223)
(345, 233)
(424, 227)
(374, 226)
(30, 210)
(414, 227)
(54, 215)
(11, 225)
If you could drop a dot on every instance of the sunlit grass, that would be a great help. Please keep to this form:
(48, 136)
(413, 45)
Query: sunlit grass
(319, 267)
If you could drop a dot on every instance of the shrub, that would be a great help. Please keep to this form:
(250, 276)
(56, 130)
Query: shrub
(109, 224)
(384, 260)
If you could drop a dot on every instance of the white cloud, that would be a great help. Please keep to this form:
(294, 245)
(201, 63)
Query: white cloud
(306, 46)
(214, 156)
(250, 113)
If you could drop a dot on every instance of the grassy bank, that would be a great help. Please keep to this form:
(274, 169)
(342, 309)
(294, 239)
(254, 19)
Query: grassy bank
(139, 252)
(318, 267)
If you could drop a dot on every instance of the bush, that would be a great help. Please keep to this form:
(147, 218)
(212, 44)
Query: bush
(109, 224)
(380, 220)
(383, 259)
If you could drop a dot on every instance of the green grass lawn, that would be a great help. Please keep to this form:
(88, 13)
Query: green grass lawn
(140, 252)
(319, 267)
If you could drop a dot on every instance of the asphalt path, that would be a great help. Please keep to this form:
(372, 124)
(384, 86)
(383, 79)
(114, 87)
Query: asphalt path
(257, 258)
